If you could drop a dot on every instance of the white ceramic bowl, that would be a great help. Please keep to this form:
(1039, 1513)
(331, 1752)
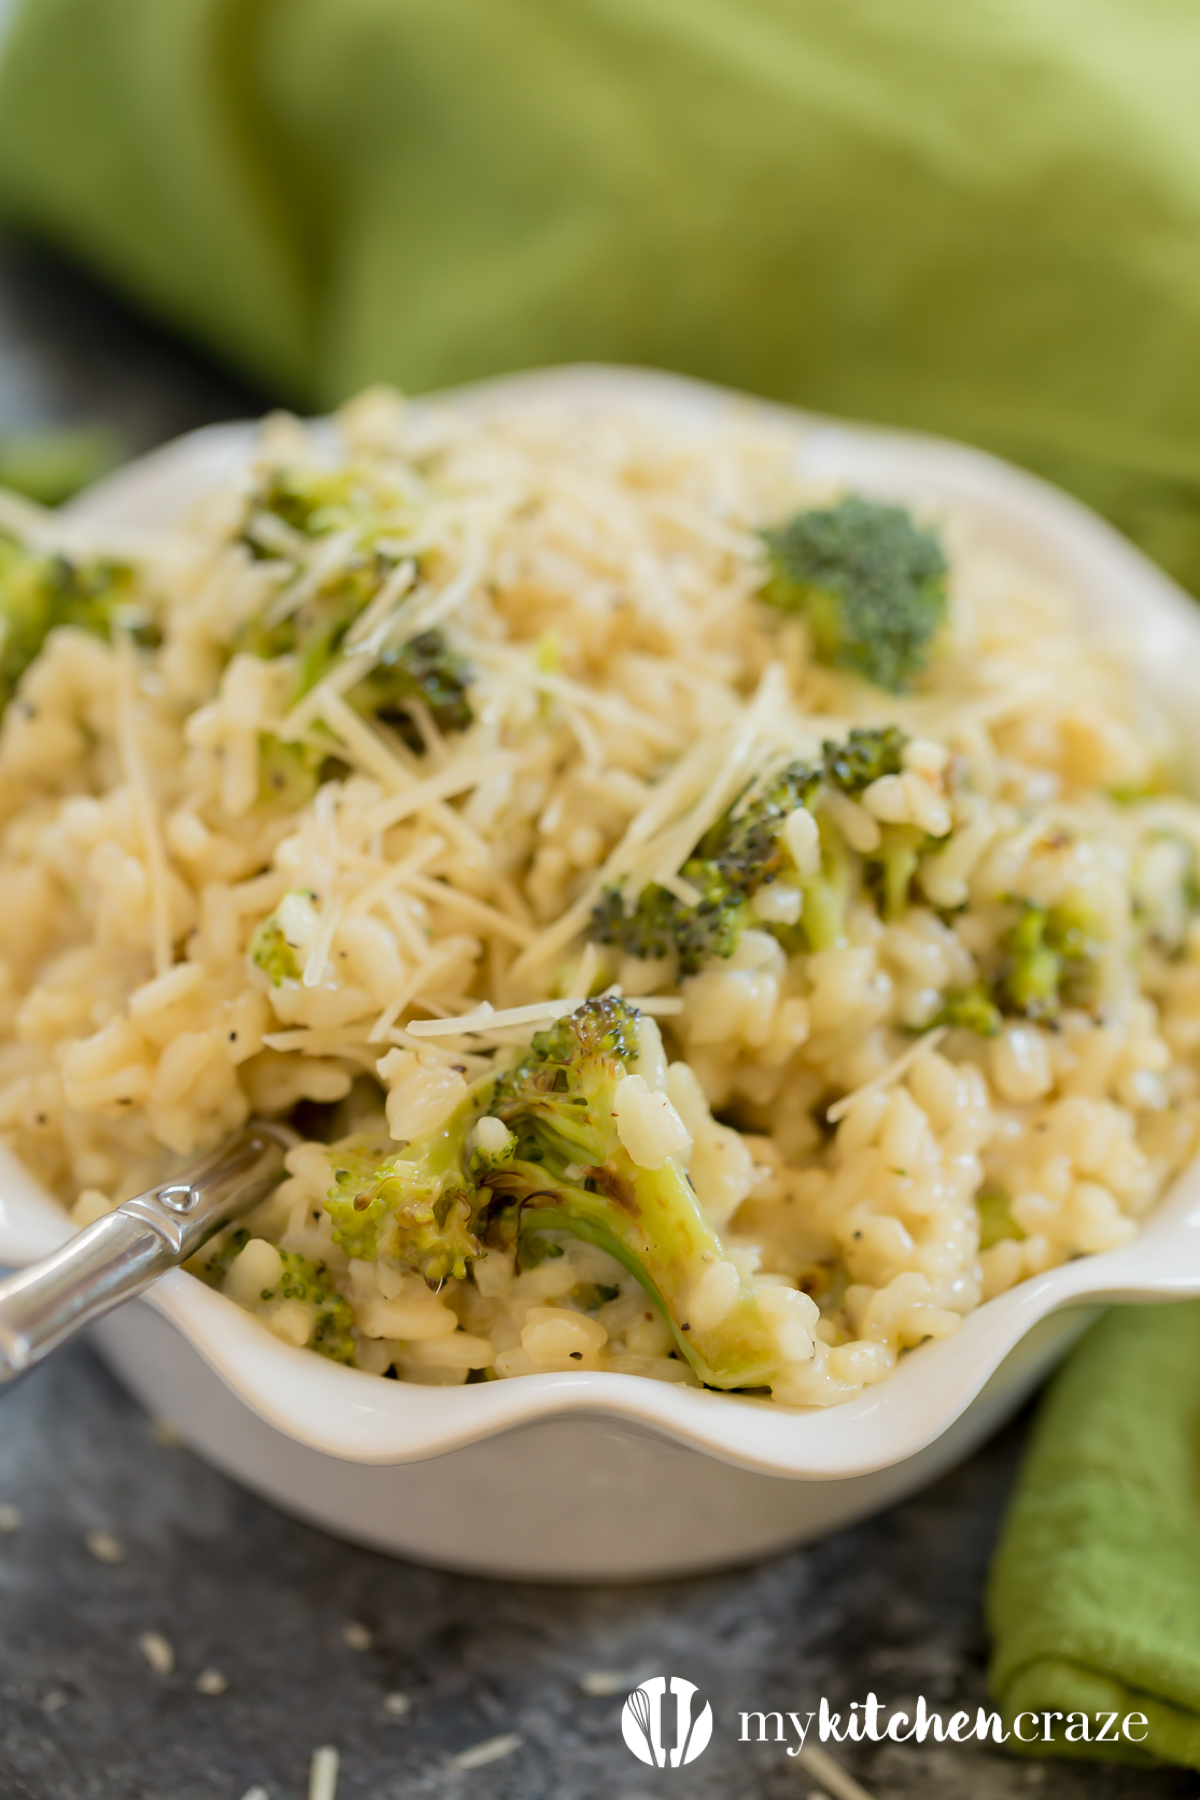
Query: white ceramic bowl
(596, 1476)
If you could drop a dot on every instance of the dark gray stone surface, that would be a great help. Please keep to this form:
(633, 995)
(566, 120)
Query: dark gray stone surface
(71, 354)
(893, 1605)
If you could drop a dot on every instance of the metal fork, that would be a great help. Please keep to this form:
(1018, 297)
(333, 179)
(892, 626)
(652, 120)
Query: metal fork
(127, 1250)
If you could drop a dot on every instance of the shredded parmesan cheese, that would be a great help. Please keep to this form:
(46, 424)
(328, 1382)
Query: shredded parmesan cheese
(895, 1071)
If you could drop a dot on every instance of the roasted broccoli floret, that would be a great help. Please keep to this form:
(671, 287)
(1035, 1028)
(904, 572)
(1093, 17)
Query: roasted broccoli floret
(38, 593)
(315, 502)
(427, 670)
(1050, 958)
(308, 1281)
(415, 1204)
(424, 669)
(1047, 959)
(870, 583)
(1033, 966)
(271, 952)
(736, 857)
(744, 843)
(869, 753)
(436, 1205)
(743, 851)
(826, 893)
(970, 1009)
(661, 924)
(568, 1171)
(300, 1279)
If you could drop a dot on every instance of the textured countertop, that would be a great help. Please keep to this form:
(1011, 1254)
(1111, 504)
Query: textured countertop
(313, 1636)
(109, 1533)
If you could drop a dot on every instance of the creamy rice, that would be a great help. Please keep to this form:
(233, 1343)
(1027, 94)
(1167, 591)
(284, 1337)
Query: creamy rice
(873, 1170)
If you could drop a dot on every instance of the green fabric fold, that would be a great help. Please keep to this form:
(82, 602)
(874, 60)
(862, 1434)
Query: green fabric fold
(976, 217)
(1094, 1595)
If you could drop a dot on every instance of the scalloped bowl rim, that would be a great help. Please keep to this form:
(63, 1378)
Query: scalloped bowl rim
(359, 1418)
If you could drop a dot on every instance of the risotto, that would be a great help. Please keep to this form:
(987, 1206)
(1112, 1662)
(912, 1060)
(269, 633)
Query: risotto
(696, 927)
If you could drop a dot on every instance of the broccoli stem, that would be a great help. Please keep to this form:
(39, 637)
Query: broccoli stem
(827, 893)
(569, 1171)
(659, 1234)
(889, 872)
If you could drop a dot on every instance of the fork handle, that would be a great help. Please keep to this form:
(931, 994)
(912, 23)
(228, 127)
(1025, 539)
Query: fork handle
(124, 1252)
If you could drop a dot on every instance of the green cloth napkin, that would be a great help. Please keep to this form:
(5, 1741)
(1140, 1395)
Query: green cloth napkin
(1094, 1599)
(979, 217)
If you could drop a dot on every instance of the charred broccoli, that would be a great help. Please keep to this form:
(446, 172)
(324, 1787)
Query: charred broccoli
(215, 1263)
(416, 1203)
(743, 851)
(38, 593)
(826, 891)
(568, 1171)
(661, 924)
(888, 871)
(744, 842)
(435, 1205)
(869, 753)
(1050, 957)
(736, 857)
(870, 582)
(299, 1279)
(315, 502)
(424, 669)
(1047, 959)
